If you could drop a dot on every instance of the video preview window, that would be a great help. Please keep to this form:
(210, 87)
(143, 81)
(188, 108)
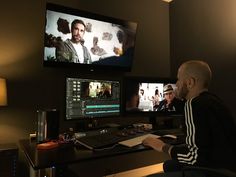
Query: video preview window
(102, 39)
(152, 97)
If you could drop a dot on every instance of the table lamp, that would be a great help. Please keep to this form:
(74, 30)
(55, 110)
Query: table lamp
(3, 92)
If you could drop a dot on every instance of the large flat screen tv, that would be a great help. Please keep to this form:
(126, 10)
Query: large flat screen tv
(76, 38)
(151, 96)
(92, 98)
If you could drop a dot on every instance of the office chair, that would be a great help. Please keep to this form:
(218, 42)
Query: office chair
(203, 172)
(210, 172)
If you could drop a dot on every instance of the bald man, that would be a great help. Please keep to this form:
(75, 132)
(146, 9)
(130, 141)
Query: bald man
(211, 135)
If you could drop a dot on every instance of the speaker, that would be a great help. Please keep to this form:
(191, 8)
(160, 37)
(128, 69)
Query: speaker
(8, 160)
(47, 125)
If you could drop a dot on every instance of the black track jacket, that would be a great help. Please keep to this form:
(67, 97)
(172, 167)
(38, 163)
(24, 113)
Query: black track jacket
(211, 134)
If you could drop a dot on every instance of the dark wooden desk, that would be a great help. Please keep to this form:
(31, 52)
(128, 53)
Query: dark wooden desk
(87, 162)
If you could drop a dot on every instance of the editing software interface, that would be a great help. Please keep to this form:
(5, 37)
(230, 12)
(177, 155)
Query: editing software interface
(89, 98)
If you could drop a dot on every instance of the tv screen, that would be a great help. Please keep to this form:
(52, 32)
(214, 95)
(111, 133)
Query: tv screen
(77, 38)
(90, 98)
(152, 96)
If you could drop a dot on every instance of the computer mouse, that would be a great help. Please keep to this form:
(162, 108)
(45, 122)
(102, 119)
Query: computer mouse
(170, 136)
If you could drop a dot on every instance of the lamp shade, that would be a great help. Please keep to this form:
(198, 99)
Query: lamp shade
(167, 0)
(3, 92)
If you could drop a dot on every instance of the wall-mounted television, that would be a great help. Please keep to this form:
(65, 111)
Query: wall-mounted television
(92, 98)
(81, 39)
(151, 96)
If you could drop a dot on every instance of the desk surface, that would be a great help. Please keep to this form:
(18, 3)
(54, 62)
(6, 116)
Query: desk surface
(69, 154)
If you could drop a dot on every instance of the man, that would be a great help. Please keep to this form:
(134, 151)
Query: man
(73, 50)
(210, 140)
(142, 96)
(170, 102)
(125, 59)
(132, 97)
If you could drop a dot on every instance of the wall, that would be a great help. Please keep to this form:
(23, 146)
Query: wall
(152, 43)
(32, 86)
(206, 30)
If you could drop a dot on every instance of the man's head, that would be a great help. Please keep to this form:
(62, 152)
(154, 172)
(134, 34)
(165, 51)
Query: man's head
(126, 36)
(77, 31)
(168, 93)
(128, 41)
(141, 92)
(132, 95)
(194, 76)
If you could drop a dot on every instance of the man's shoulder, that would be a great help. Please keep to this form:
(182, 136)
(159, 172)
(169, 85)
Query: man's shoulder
(178, 100)
(162, 102)
(206, 97)
(65, 42)
(68, 42)
(207, 101)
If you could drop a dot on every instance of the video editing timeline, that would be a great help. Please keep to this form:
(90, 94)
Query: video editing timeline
(92, 98)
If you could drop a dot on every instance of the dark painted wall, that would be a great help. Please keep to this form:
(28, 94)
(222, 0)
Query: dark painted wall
(32, 86)
(201, 29)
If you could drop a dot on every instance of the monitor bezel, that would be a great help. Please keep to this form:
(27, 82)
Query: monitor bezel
(91, 15)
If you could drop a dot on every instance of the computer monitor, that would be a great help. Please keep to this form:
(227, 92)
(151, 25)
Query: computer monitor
(151, 96)
(107, 43)
(92, 98)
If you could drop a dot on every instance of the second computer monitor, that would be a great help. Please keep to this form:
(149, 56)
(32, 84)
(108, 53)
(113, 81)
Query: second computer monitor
(152, 95)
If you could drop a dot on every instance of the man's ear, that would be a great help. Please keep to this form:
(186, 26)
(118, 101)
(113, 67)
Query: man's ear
(191, 81)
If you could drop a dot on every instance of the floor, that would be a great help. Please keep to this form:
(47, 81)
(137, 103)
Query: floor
(140, 172)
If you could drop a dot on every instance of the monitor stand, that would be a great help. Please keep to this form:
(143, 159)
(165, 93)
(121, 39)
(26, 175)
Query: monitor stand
(153, 121)
(91, 124)
(167, 122)
(85, 125)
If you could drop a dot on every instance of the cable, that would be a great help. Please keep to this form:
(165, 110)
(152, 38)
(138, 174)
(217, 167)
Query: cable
(107, 148)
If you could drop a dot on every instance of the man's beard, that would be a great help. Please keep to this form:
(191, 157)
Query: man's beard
(76, 39)
(137, 103)
(182, 92)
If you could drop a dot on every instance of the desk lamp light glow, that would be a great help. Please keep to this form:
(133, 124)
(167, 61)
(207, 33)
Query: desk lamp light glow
(3, 92)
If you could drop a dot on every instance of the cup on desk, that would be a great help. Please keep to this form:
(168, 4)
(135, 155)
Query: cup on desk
(47, 125)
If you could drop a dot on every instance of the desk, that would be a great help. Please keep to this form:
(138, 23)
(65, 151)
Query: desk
(86, 161)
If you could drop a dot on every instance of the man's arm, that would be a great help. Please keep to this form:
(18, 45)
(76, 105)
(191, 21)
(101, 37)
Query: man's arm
(183, 153)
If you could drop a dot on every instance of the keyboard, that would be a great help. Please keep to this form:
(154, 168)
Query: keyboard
(128, 137)
(109, 139)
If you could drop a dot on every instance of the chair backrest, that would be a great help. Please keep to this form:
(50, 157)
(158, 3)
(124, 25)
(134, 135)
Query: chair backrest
(210, 172)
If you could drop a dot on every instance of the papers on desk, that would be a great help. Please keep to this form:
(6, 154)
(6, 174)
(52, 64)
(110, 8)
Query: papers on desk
(137, 140)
